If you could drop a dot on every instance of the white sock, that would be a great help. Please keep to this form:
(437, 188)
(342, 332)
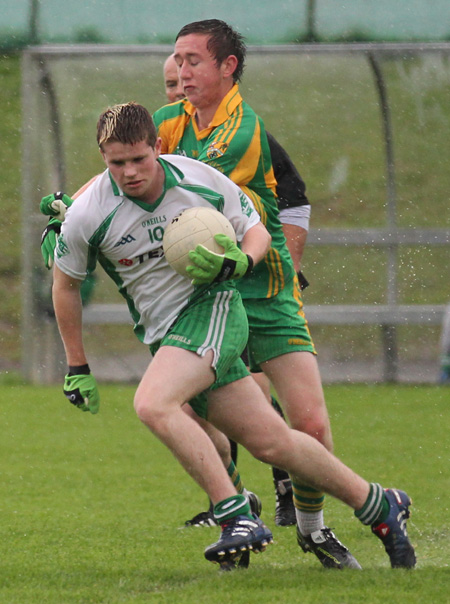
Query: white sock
(309, 522)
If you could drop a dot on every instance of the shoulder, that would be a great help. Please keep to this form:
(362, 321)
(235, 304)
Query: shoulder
(248, 119)
(95, 201)
(167, 112)
(193, 169)
(201, 175)
(238, 132)
(248, 111)
(94, 188)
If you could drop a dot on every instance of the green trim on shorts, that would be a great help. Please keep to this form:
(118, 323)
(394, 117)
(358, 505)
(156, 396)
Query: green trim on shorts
(277, 326)
(215, 321)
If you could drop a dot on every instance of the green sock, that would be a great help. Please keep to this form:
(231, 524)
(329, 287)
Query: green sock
(230, 507)
(376, 507)
(233, 473)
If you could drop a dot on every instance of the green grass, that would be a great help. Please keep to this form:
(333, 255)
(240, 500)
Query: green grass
(10, 133)
(92, 506)
(11, 207)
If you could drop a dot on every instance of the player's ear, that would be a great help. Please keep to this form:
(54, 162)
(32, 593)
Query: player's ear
(229, 66)
(102, 153)
(157, 147)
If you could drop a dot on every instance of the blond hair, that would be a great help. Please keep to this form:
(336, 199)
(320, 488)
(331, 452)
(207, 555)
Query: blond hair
(127, 123)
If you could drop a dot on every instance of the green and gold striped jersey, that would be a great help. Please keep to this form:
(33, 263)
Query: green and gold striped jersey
(236, 144)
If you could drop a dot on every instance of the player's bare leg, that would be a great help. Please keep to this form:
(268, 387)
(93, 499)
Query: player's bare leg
(284, 504)
(222, 444)
(269, 439)
(173, 377)
(219, 439)
(296, 378)
(261, 430)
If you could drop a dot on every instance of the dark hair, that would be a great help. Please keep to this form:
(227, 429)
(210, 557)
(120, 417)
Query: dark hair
(223, 41)
(129, 123)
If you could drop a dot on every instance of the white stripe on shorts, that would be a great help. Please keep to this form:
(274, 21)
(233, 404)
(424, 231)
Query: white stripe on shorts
(217, 324)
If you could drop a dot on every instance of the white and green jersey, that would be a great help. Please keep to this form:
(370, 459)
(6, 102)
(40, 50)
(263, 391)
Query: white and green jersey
(125, 236)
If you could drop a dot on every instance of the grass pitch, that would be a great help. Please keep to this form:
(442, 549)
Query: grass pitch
(92, 506)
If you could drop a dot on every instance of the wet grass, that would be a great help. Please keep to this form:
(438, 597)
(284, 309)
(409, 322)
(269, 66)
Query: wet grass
(92, 506)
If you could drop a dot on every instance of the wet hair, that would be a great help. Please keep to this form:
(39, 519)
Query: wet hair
(223, 41)
(128, 123)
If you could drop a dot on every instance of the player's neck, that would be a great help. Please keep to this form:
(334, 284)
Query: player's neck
(203, 117)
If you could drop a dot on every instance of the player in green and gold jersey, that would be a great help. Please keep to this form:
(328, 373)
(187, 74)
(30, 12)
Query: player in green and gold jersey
(214, 125)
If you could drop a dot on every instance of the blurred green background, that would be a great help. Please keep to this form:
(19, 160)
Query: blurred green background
(261, 21)
(323, 108)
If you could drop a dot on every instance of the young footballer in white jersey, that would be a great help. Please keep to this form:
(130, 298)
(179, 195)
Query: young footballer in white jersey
(294, 204)
(116, 221)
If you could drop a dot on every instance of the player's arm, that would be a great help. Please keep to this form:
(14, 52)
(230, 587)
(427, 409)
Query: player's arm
(291, 188)
(293, 204)
(295, 241)
(68, 311)
(80, 386)
(295, 224)
(256, 242)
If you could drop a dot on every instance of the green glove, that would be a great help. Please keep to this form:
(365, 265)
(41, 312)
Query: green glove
(208, 267)
(49, 239)
(55, 205)
(82, 391)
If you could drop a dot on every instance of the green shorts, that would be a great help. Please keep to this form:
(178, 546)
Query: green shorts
(215, 321)
(277, 326)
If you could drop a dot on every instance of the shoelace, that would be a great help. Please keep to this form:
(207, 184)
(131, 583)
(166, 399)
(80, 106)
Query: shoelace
(333, 541)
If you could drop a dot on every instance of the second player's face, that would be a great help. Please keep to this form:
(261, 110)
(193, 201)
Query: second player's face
(134, 168)
(172, 84)
(199, 74)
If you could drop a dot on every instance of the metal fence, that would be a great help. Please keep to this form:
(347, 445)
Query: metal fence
(40, 338)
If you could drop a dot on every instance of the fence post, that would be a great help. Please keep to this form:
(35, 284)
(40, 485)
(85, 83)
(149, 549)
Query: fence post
(388, 332)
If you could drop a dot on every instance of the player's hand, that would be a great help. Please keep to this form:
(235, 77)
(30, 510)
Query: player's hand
(49, 239)
(55, 205)
(208, 267)
(82, 391)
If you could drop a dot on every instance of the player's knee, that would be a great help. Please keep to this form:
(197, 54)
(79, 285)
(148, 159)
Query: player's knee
(316, 426)
(223, 448)
(147, 412)
(269, 452)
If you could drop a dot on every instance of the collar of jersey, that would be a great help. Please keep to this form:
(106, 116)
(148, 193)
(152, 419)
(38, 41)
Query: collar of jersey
(173, 177)
(227, 106)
